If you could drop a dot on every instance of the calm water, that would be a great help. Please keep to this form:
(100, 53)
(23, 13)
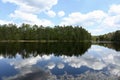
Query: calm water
(59, 61)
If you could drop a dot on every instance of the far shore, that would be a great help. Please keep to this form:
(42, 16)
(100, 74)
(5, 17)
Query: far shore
(42, 41)
(94, 42)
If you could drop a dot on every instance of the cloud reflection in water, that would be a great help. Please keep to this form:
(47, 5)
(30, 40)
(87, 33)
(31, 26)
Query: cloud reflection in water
(97, 58)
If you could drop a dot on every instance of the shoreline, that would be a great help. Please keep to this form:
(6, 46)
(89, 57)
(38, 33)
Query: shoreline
(45, 41)
(42, 41)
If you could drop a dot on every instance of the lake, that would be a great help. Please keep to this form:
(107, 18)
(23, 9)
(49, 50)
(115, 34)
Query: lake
(59, 61)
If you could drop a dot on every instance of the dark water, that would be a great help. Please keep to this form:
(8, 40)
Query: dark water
(59, 61)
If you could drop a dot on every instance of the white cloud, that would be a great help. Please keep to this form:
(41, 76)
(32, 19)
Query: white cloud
(26, 62)
(98, 21)
(115, 71)
(60, 65)
(26, 73)
(26, 68)
(112, 21)
(95, 60)
(61, 13)
(51, 65)
(33, 5)
(78, 18)
(77, 62)
(28, 10)
(114, 10)
(5, 22)
(51, 13)
(47, 57)
(30, 61)
(30, 18)
(1, 57)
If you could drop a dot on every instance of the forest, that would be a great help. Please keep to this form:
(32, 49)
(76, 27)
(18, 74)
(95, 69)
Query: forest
(113, 36)
(41, 33)
(27, 32)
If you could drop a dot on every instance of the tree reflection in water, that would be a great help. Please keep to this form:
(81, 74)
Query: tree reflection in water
(47, 60)
(26, 50)
(115, 46)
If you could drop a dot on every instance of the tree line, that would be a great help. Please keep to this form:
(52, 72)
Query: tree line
(113, 36)
(35, 32)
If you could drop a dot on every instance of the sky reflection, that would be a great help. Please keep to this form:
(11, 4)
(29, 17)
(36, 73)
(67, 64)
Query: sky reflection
(97, 61)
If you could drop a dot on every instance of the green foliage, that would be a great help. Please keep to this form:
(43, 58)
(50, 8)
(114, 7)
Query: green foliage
(35, 32)
(114, 36)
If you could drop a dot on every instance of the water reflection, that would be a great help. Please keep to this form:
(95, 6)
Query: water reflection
(96, 63)
(115, 46)
(29, 73)
(27, 49)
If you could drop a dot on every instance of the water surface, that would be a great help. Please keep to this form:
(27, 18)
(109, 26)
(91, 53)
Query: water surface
(59, 61)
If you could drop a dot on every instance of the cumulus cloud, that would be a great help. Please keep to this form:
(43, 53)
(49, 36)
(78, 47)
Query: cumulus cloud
(114, 9)
(90, 18)
(33, 6)
(30, 18)
(26, 73)
(115, 71)
(90, 62)
(5, 22)
(60, 65)
(28, 10)
(51, 13)
(51, 65)
(1, 57)
(26, 62)
(96, 21)
(30, 61)
(95, 60)
(47, 57)
(61, 13)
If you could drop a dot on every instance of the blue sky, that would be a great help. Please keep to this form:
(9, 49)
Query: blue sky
(97, 16)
